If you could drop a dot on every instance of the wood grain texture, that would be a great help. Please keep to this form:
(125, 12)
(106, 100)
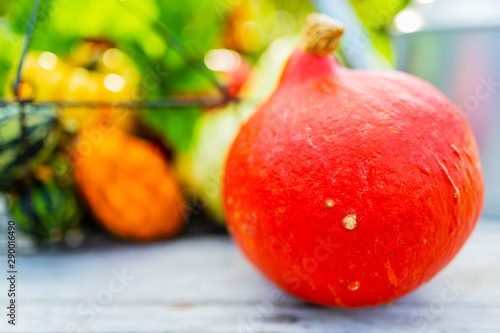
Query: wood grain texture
(203, 284)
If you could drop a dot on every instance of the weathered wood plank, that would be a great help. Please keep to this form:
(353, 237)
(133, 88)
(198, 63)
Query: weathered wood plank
(247, 318)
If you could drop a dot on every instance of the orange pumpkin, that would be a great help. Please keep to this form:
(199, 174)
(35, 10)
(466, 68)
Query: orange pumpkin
(379, 165)
(128, 185)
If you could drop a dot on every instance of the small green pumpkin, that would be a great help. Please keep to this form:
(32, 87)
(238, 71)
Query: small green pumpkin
(46, 211)
(42, 137)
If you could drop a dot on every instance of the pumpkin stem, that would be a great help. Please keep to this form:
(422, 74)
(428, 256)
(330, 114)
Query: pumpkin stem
(321, 34)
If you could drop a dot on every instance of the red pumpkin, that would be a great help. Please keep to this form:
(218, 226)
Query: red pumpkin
(351, 187)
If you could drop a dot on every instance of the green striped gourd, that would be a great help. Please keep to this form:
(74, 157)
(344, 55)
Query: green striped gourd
(47, 211)
(42, 138)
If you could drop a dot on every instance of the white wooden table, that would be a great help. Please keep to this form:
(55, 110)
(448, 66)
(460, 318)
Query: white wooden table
(203, 284)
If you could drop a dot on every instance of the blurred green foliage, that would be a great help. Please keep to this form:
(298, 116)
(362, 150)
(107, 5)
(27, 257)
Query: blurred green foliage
(376, 16)
(61, 24)
(132, 26)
